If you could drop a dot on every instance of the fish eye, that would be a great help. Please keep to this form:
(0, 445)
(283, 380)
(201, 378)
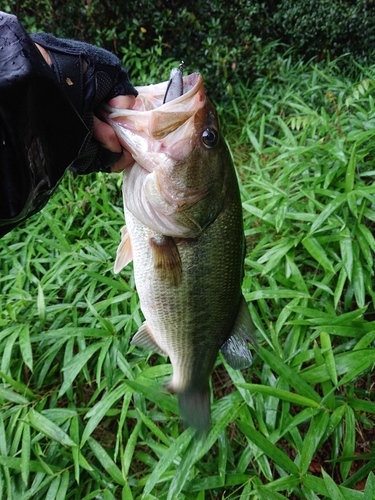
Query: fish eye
(210, 137)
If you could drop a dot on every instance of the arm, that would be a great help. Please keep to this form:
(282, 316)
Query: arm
(46, 126)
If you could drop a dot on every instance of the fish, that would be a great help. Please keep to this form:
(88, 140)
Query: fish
(184, 233)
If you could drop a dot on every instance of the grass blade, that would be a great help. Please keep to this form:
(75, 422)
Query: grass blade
(48, 428)
(64, 485)
(25, 453)
(316, 251)
(349, 442)
(329, 358)
(289, 375)
(280, 458)
(96, 414)
(76, 364)
(330, 208)
(175, 450)
(332, 488)
(281, 394)
(105, 460)
(369, 492)
(25, 346)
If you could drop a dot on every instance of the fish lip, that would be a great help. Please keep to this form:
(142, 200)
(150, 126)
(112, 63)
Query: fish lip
(192, 82)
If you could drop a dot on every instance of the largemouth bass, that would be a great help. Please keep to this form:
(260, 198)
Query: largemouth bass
(184, 233)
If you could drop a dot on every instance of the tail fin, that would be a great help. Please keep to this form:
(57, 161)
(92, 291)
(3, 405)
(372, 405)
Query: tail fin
(195, 409)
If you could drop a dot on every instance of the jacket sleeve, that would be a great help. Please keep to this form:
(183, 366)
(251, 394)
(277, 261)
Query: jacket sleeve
(40, 131)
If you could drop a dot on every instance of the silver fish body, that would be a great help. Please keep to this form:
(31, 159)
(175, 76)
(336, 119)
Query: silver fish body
(184, 233)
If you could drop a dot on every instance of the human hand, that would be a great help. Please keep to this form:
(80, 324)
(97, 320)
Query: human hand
(102, 132)
(105, 134)
(100, 79)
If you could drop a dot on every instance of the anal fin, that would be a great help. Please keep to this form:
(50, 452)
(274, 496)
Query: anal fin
(167, 260)
(143, 338)
(235, 350)
(124, 253)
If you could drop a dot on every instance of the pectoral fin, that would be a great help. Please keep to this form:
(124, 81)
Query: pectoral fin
(235, 350)
(167, 260)
(124, 253)
(143, 338)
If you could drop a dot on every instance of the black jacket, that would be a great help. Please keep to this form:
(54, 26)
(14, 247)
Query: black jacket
(43, 130)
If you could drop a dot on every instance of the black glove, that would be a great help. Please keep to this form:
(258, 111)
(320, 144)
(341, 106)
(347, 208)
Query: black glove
(87, 87)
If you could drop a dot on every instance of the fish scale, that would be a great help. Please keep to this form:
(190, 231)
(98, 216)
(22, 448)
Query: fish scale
(208, 289)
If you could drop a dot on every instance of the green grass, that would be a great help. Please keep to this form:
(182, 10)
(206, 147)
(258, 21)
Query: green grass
(83, 415)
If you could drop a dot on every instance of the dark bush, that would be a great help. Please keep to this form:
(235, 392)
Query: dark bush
(226, 41)
(318, 28)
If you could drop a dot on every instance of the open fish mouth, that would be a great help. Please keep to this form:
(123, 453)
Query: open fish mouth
(157, 132)
(172, 177)
(156, 118)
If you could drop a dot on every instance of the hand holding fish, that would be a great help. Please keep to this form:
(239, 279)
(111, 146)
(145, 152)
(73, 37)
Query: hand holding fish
(102, 132)
(107, 137)
(90, 76)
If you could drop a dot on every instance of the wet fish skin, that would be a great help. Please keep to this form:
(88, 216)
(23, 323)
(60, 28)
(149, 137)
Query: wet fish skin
(187, 247)
(191, 321)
